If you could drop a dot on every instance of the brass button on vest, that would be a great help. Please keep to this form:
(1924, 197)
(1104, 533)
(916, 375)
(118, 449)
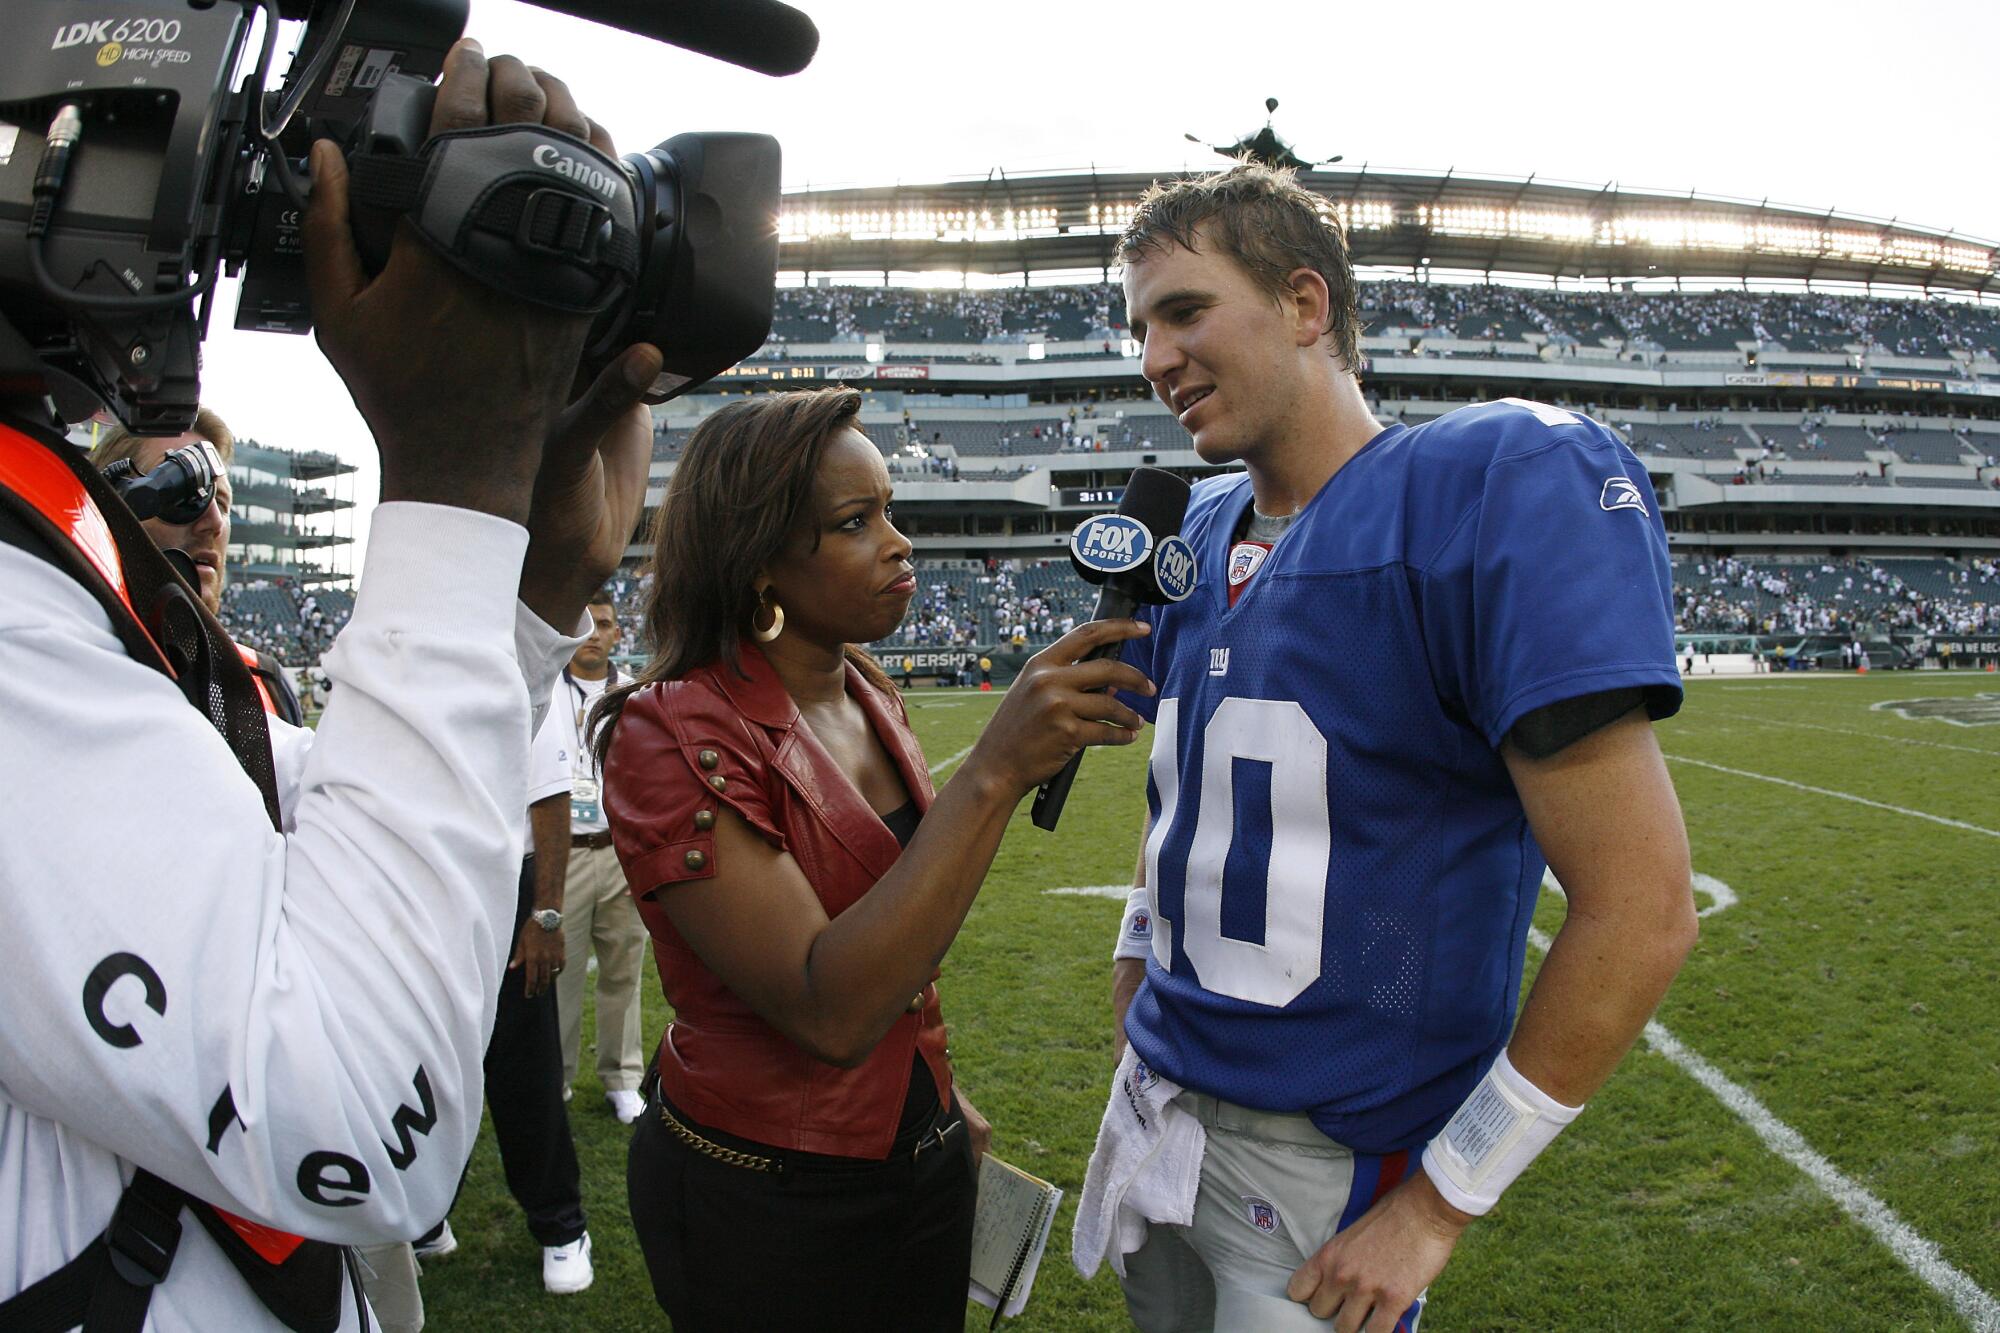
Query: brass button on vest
(718, 782)
(695, 860)
(704, 820)
(709, 758)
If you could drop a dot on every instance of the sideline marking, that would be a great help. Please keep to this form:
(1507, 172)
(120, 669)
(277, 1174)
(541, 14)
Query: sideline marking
(1838, 795)
(1854, 731)
(949, 760)
(1118, 891)
(1920, 1256)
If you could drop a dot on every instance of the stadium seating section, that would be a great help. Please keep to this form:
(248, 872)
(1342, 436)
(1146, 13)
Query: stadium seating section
(1667, 322)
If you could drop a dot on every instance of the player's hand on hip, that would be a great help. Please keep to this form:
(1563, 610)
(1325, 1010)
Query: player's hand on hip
(1365, 1277)
(1059, 704)
(460, 385)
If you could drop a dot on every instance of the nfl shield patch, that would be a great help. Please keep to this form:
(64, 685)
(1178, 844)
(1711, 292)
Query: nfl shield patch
(1243, 561)
(1260, 1213)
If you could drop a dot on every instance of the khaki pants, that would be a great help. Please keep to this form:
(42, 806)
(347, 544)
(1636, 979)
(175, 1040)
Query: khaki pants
(389, 1276)
(599, 915)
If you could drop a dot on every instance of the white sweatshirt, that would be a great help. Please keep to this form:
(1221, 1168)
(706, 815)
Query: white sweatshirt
(289, 1027)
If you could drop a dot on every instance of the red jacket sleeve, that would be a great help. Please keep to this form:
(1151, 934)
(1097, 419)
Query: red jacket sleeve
(679, 756)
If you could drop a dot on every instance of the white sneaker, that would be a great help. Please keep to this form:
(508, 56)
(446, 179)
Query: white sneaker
(438, 1246)
(625, 1104)
(566, 1268)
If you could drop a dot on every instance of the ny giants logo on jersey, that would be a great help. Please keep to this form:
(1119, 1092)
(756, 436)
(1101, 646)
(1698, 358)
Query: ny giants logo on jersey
(1111, 543)
(1621, 493)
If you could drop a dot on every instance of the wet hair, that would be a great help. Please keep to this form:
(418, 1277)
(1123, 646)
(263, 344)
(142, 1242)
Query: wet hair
(1267, 222)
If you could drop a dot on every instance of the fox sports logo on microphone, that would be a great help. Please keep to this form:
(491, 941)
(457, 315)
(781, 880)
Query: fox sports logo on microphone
(1111, 543)
(1173, 568)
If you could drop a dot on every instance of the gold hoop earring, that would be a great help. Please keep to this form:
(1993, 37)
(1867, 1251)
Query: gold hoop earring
(777, 624)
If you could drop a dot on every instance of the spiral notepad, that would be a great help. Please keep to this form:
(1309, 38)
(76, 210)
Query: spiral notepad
(1009, 1232)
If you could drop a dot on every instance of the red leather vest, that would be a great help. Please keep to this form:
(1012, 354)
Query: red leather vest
(721, 1063)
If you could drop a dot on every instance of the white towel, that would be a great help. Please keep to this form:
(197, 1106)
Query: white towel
(1146, 1168)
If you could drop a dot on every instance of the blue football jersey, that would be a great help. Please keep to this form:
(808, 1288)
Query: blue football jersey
(1341, 874)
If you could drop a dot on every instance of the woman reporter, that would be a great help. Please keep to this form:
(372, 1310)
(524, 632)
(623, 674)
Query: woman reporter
(808, 1163)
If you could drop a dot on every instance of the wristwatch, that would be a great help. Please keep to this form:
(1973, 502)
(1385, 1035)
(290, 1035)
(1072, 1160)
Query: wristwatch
(548, 919)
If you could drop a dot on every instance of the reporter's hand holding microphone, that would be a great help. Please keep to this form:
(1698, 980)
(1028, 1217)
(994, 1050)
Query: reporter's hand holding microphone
(1058, 705)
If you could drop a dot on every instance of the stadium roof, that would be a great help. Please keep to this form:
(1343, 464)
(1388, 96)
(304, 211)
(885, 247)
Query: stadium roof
(1401, 219)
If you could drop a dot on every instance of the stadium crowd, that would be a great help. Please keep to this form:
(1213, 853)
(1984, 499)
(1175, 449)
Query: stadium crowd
(1851, 597)
(1024, 604)
(1641, 321)
(295, 628)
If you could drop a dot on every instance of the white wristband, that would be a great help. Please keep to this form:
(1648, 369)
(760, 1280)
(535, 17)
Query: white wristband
(1493, 1136)
(1135, 932)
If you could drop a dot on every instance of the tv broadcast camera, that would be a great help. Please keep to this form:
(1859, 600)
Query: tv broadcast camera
(1139, 558)
(130, 172)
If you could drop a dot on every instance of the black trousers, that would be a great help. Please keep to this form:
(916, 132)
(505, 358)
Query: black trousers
(825, 1246)
(524, 1097)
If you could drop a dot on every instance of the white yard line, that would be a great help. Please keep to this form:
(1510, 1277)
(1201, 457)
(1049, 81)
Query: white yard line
(1850, 731)
(1118, 891)
(1920, 1256)
(948, 761)
(1838, 795)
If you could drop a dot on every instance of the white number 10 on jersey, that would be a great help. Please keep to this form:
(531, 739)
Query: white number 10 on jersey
(1277, 732)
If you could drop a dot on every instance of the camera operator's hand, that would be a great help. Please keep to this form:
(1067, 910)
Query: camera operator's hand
(593, 477)
(460, 385)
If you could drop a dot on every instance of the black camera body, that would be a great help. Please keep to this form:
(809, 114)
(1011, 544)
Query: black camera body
(104, 279)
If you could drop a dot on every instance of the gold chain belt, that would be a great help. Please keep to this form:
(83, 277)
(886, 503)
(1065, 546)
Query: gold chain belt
(709, 1148)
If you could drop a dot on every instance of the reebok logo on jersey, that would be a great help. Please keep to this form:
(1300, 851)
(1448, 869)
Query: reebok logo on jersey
(1261, 1214)
(1621, 493)
(1218, 661)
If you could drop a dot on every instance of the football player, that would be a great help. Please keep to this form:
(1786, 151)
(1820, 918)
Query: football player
(1431, 660)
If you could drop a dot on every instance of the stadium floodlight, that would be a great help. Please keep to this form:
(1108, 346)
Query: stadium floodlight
(1037, 351)
(872, 353)
(1129, 349)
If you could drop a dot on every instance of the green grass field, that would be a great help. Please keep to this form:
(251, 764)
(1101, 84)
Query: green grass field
(1850, 992)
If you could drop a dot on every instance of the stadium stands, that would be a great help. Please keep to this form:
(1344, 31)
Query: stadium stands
(1706, 437)
(1671, 323)
(1926, 446)
(1820, 595)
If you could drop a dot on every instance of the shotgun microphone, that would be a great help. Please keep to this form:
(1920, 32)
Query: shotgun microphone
(1138, 557)
(763, 35)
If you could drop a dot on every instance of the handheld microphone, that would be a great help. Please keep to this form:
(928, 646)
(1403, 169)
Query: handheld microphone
(1138, 556)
